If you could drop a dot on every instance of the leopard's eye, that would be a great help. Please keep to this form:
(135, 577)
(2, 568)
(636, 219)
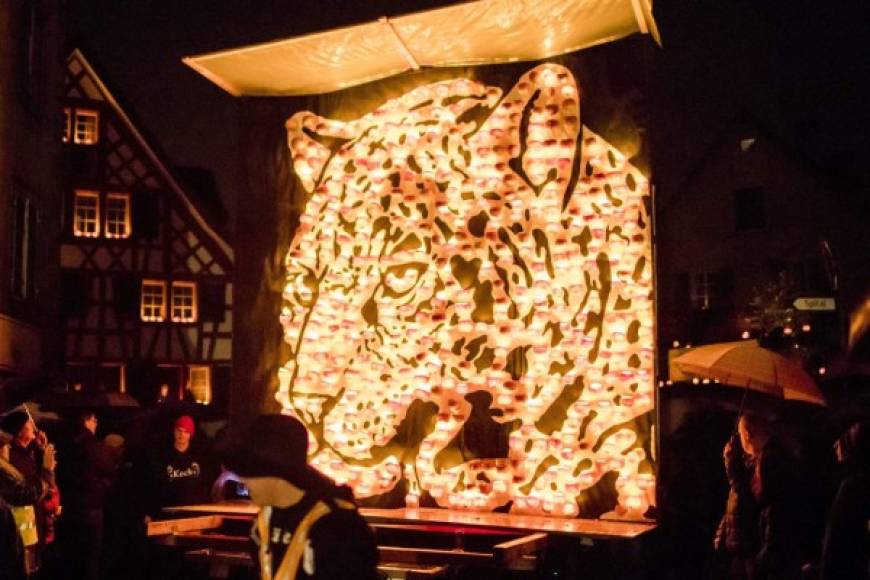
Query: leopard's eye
(304, 287)
(401, 279)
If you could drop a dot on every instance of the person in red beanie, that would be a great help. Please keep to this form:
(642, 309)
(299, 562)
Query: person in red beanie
(179, 474)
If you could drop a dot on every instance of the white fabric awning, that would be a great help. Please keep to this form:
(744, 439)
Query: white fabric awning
(471, 33)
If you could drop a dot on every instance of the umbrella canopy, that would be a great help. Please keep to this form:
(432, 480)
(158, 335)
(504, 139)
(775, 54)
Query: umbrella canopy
(85, 400)
(34, 410)
(859, 333)
(746, 364)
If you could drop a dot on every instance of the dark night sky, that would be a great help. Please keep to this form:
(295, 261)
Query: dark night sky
(800, 67)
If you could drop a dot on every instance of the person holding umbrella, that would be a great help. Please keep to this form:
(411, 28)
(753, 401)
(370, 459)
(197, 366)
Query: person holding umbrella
(760, 527)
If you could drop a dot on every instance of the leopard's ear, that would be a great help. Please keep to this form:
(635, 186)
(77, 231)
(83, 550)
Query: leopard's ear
(309, 155)
(533, 132)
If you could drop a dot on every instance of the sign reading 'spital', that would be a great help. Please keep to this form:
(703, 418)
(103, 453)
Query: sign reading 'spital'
(815, 304)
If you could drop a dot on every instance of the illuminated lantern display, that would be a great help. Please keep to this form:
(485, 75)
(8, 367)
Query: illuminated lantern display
(458, 241)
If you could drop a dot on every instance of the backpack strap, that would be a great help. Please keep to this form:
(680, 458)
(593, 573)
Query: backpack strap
(263, 517)
(290, 564)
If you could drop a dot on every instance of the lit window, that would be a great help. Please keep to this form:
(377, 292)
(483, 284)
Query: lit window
(87, 127)
(153, 301)
(117, 215)
(171, 379)
(86, 214)
(67, 124)
(199, 384)
(184, 302)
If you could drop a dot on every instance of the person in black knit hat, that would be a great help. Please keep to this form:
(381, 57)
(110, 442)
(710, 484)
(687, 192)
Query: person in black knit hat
(27, 464)
(307, 527)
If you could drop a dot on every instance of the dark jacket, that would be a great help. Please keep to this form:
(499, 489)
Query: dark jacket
(340, 544)
(737, 533)
(11, 549)
(19, 490)
(86, 474)
(775, 487)
(846, 547)
(28, 461)
(174, 478)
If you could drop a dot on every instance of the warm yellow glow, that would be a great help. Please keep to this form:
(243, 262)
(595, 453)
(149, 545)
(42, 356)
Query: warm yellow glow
(437, 258)
(199, 383)
(472, 32)
(184, 307)
(67, 125)
(118, 215)
(86, 214)
(153, 301)
(86, 128)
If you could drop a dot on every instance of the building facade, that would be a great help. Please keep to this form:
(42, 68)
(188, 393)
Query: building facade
(31, 79)
(147, 287)
(753, 227)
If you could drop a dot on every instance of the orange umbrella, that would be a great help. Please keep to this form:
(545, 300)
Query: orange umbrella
(746, 364)
(859, 333)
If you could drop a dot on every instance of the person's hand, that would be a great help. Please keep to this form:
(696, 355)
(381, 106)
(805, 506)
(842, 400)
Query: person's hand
(41, 439)
(728, 451)
(49, 458)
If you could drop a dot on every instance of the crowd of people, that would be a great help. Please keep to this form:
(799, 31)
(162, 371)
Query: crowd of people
(80, 510)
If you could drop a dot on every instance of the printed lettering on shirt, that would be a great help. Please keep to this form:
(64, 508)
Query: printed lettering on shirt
(279, 537)
(192, 470)
(308, 558)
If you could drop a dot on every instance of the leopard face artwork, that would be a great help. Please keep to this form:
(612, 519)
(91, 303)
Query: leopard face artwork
(458, 240)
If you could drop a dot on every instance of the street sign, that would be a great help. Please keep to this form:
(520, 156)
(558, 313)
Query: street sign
(818, 303)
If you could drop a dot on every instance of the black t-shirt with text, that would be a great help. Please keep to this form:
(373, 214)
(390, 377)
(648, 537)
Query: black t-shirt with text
(179, 478)
(340, 544)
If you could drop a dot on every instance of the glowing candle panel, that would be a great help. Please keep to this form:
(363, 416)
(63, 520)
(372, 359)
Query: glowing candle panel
(459, 240)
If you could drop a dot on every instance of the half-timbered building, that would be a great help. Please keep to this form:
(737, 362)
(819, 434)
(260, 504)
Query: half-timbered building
(146, 278)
